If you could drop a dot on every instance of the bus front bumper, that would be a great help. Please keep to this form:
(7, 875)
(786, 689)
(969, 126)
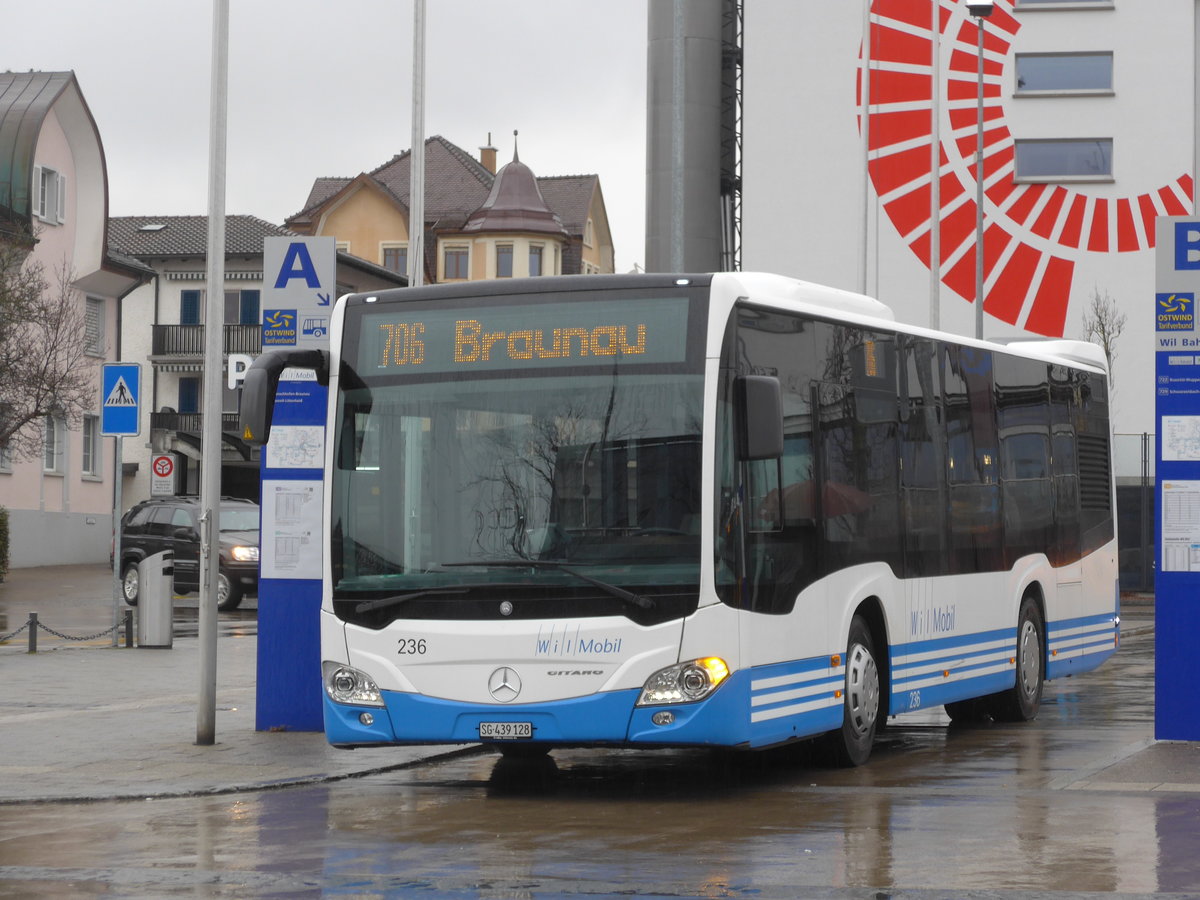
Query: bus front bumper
(609, 718)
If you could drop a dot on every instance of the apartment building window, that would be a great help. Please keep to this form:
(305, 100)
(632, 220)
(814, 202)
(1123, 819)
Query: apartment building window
(588, 233)
(395, 258)
(189, 307)
(1073, 159)
(93, 327)
(535, 260)
(504, 260)
(456, 262)
(1064, 73)
(189, 395)
(91, 445)
(49, 195)
(241, 307)
(54, 446)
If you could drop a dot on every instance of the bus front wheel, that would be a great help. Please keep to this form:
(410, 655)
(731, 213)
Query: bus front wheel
(851, 744)
(1021, 702)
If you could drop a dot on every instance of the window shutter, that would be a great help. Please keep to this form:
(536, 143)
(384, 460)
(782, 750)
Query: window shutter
(61, 198)
(94, 326)
(189, 308)
(38, 202)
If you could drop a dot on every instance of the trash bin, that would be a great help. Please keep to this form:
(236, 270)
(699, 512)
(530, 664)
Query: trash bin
(156, 600)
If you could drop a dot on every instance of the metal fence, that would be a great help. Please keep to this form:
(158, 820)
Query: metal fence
(188, 340)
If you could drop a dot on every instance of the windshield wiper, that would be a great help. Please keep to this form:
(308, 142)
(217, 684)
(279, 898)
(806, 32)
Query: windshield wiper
(611, 589)
(382, 602)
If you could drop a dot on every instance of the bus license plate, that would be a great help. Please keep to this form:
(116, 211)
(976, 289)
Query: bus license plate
(505, 731)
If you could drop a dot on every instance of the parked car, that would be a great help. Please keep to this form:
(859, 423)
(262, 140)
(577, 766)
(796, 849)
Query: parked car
(173, 523)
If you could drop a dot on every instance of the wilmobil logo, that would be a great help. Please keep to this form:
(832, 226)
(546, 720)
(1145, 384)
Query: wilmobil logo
(1175, 311)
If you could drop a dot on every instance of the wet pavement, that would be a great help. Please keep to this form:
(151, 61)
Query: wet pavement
(1081, 802)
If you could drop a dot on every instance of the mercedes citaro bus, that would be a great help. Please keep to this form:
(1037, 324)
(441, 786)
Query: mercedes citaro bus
(726, 510)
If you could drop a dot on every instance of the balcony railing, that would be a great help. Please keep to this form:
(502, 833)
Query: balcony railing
(173, 421)
(188, 340)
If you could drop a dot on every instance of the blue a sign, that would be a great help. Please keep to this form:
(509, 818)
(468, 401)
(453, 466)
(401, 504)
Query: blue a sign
(120, 394)
(299, 286)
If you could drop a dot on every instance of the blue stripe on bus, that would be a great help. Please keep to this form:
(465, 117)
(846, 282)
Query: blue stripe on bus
(1107, 619)
(959, 640)
(1080, 644)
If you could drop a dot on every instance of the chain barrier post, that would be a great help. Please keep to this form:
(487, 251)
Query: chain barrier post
(128, 628)
(33, 627)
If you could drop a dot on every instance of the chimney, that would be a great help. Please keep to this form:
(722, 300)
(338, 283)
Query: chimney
(487, 155)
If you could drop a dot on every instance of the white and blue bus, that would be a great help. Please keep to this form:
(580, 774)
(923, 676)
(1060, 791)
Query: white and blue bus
(727, 510)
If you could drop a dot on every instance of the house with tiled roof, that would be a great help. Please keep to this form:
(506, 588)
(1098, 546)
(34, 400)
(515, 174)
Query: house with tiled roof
(163, 328)
(479, 222)
(53, 214)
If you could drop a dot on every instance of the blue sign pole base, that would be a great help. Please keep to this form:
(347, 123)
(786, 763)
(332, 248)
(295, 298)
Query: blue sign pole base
(289, 656)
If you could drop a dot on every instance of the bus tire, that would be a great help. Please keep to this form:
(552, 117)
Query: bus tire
(1021, 702)
(851, 744)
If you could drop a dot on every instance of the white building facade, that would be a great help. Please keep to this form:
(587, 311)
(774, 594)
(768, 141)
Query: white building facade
(1088, 125)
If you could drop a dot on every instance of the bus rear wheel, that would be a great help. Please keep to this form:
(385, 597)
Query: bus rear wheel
(851, 744)
(1021, 702)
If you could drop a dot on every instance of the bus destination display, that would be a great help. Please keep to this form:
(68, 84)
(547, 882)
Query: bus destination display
(597, 333)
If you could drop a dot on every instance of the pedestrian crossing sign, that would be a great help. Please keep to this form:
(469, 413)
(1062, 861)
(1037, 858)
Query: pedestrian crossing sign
(120, 390)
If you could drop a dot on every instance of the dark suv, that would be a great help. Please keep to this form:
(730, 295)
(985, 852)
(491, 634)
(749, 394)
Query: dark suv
(173, 523)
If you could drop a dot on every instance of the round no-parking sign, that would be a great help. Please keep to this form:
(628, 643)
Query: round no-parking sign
(162, 476)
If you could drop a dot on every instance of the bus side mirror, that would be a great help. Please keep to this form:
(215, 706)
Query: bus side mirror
(261, 383)
(759, 402)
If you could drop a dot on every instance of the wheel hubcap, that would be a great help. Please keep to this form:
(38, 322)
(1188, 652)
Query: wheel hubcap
(131, 584)
(1029, 658)
(862, 689)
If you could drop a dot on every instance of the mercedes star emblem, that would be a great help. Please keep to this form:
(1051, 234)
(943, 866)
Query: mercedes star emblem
(504, 684)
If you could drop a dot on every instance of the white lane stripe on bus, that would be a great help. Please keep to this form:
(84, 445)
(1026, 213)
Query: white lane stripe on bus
(781, 711)
(915, 684)
(760, 684)
(781, 696)
(957, 652)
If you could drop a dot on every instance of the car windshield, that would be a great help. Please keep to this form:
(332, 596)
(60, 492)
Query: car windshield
(239, 518)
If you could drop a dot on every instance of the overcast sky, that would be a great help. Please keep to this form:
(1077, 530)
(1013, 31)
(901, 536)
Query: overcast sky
(318, 88)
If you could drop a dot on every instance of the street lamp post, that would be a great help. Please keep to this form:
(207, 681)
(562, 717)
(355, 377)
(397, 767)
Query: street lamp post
(980, 9)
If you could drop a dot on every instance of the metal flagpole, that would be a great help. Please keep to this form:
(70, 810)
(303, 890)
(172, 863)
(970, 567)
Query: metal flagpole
(980, 9)
(935, 171)
(214, 316)
(979, 194)
(866, 139)
(416, 193)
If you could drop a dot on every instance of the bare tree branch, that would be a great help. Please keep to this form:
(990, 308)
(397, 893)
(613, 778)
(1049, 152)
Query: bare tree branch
(45, 368)
(1103, 323)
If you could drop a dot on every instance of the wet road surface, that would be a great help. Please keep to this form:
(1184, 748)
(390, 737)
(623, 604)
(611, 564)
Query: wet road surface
(995, 811)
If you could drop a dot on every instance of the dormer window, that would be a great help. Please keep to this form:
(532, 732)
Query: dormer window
(49, 195)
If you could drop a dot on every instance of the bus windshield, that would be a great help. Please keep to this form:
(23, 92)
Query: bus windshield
(575, 487)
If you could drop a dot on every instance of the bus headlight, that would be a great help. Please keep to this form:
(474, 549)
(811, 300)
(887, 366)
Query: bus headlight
(684, 683)
(345, 684)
